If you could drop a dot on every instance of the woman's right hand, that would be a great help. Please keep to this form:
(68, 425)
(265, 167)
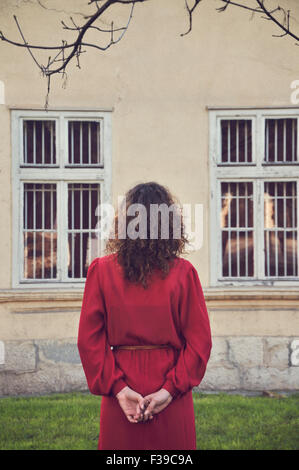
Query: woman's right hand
(128, 400)
(156, 402)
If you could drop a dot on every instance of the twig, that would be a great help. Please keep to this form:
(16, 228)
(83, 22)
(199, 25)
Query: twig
(190, 13)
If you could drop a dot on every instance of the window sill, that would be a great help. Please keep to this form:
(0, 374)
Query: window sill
(251, 293)
(37, 295)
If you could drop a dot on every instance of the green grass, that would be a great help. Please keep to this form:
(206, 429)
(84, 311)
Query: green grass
(71, 421)
(234, 422)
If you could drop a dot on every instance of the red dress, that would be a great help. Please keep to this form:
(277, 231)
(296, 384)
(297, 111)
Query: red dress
(118, 312)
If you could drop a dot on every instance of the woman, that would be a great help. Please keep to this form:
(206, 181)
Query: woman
(147, 303)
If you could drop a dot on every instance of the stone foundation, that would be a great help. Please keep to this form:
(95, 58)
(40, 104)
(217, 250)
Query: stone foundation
(252, 364)
(237, 364)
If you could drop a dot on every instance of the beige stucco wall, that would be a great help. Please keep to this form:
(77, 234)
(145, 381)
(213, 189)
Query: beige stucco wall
(55, 316)
(159, 85)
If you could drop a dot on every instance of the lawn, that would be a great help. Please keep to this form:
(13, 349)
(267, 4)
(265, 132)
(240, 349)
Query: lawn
(71, 421)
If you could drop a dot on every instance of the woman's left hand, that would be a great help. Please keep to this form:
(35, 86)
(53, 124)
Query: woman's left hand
(131, 402)
(156, 402)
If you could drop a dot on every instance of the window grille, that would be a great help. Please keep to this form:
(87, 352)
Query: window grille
(281, 141)
(280, 226)
(236, 141)
(61, 176)
(237, 229)
(84, 139)
(254, 175)
(83, 200)
(40, 231)
(39, 146)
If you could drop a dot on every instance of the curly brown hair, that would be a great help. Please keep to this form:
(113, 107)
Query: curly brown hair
(141, 256)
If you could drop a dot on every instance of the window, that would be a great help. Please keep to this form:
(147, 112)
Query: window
(61, 175)
(254, 161)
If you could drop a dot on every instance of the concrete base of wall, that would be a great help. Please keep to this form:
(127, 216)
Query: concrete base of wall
(237, 365)
(254, 364)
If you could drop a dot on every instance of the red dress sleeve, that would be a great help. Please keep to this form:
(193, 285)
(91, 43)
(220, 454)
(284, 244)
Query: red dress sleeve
(103, 375)
(195, 327)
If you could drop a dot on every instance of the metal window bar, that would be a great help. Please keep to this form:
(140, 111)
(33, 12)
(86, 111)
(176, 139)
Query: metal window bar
(237, 141)
(268, 248)
(25, 238)
(238, 225)
(284, 231)
(294, 202)
(246, 142)
(228, 142)
(52, 136)
(81, 144)
(229, 233)
(294, 157)
(34, 142)
(73, 235)
(246, 233)
(51, 233)
(81, 228)
(276, 142)
(25, 142)
(284, 144)
(43, 144)
(98, 142)
(89, 144)
(275, 233)
(89, 225)
(72, 143)
(267, 141)
(42, 235)
(34, 234)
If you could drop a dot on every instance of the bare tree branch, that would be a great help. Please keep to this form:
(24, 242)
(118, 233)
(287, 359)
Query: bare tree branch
(76, 45)
(67, 52)
(25, 42)
(240, 5)
(284, 24)
(64, 53)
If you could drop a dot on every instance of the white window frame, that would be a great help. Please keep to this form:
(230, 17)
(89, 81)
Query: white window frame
(60, 174)
(256, 172)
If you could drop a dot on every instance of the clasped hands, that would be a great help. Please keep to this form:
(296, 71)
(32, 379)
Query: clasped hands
(140, 409)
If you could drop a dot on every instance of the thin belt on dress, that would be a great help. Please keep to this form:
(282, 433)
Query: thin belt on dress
(143, 346)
